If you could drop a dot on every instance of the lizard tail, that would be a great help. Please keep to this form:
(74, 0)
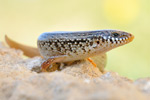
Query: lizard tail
(28, 51)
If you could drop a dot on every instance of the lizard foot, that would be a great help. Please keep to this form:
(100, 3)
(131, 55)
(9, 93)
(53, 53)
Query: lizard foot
(46, 64)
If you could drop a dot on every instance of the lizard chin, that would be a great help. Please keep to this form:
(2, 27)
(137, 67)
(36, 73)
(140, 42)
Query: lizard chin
(131, 38)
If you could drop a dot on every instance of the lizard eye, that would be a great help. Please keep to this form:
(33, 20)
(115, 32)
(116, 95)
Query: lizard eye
(115, 34)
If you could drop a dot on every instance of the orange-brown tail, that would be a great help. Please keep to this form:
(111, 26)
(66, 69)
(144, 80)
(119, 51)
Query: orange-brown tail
(28, 51)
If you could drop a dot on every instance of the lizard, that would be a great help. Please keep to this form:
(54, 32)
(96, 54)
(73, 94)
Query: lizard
(65, 46)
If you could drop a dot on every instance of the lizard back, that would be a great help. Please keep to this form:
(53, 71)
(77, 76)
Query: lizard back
(80, 44)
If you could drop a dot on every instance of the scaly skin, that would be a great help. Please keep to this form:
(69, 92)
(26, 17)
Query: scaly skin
(70, 46)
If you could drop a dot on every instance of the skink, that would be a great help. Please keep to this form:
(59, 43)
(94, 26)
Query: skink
(71, 46)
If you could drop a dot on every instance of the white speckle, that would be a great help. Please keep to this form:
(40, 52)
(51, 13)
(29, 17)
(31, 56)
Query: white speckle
(89, 39)
(112, 39)
(120, 39)
(59, 44)
(75, 42)
(94, 45)
(114, 42)
(108, 41)
(48, 44)
(87, 81)
(116, 39)
(105, 37)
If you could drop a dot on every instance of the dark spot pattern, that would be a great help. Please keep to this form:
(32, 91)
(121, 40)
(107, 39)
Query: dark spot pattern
(97, 42)
(111, 40)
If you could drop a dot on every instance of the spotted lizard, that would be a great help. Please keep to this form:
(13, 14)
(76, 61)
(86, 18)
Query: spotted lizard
(65, 46)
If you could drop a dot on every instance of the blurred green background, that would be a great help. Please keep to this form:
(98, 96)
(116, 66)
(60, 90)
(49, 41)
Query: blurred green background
(25, 20)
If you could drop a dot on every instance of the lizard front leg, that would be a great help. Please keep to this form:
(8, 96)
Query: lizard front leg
(50, 61)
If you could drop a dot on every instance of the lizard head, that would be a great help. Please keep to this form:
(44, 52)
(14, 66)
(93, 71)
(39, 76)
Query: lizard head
(121, 36)
(114, 38)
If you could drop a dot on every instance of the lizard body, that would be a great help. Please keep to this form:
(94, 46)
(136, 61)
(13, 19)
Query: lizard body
(81, 44)
(77, 45)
